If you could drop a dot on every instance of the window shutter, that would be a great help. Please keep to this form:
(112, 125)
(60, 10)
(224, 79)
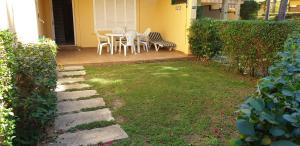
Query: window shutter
(109, 14)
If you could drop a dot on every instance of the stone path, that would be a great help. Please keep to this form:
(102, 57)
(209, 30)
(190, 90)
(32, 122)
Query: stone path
(78, 106)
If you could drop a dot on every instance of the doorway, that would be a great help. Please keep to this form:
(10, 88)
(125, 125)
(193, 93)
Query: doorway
(63, 22)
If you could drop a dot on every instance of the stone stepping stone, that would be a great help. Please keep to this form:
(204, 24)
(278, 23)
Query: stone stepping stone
(73, 95)
(61, 81)
(92, 137)
(65, 122)
(71, 74)
(70, 68)
(70, 106)
(75, 86)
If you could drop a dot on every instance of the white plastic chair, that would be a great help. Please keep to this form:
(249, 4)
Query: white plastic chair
(118, 30)
(130, 42)
(144, 39)
(102, 41)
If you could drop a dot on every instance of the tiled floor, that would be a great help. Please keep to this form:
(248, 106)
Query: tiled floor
(73, 56)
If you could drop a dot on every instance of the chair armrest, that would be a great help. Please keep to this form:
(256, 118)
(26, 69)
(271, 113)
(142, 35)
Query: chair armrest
(102, 37)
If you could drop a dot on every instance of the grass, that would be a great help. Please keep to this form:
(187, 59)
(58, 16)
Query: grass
(92, 125)
(92, 108)
(177, 103)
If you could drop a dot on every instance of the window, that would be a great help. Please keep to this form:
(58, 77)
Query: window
(174, 2)
(109, 14)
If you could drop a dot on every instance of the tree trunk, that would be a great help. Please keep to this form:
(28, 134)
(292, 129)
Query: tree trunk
(268, 2)
(225, 9)
(282, 10)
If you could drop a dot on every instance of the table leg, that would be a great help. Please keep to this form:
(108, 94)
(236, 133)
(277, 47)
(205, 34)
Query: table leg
(138, 45)
(112, 45)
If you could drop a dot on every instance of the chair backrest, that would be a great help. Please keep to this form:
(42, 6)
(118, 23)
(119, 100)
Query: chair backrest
(102, 38)
(118, 30)
(147, 32)
(155, 36)
(130, 37)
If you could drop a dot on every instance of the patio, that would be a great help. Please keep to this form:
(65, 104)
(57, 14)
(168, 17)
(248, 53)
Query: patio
(76, 56)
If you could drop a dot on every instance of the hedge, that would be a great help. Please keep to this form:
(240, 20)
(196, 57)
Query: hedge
(205, 38)
(250, 45)
(272, 115)
(32, 71)
(36, 81)
(7, 122)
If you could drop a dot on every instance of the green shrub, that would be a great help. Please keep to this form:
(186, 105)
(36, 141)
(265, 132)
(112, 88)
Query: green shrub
(35, 84)
(272, 115)
(250, 46)
(204, 38)
(27, 83)
(7, 122)
(249, 10)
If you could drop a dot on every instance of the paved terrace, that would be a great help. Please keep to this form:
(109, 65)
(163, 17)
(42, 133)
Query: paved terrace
(73, 56)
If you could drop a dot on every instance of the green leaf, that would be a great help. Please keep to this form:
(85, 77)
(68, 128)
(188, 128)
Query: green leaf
(296, 132)
(275, 131)
(298, 96)
(245, 127)
(287, 92)
(268, 117)
(246, 112)
(290, 118)
(283, 143)
(257, 104)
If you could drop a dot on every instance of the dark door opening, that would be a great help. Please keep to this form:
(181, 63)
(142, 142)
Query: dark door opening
(63, 22)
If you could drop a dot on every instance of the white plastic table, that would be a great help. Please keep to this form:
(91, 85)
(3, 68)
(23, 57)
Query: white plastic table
(119, 35)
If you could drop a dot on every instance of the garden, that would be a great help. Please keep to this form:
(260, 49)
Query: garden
(243, 88)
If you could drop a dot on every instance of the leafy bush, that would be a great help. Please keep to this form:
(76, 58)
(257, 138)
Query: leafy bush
(249, 10)
(35, 84)
(204, 38)
(272, 115)
(7, 122)
(250, 46)
(27, 83)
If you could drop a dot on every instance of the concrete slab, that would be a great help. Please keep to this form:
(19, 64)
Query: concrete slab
(71, 74)
(73, 95)
(94, 136)
(76, 86)
(61, 81)
(70, 106)
(65, 122)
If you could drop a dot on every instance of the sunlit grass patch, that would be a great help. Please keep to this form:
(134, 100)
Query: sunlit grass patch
(177, 103)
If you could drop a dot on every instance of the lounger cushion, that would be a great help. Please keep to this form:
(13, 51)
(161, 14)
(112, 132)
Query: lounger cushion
(156, 38)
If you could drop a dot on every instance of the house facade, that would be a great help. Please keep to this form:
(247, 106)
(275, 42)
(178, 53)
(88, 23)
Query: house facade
(37, 18)
(294, 6)
(74, 22)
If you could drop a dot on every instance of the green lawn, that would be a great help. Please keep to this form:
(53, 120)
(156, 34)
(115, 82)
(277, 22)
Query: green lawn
(172, 103)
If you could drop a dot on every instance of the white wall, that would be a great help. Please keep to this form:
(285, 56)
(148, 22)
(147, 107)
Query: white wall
(25, 20)
(3, 15)
(20, 17)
